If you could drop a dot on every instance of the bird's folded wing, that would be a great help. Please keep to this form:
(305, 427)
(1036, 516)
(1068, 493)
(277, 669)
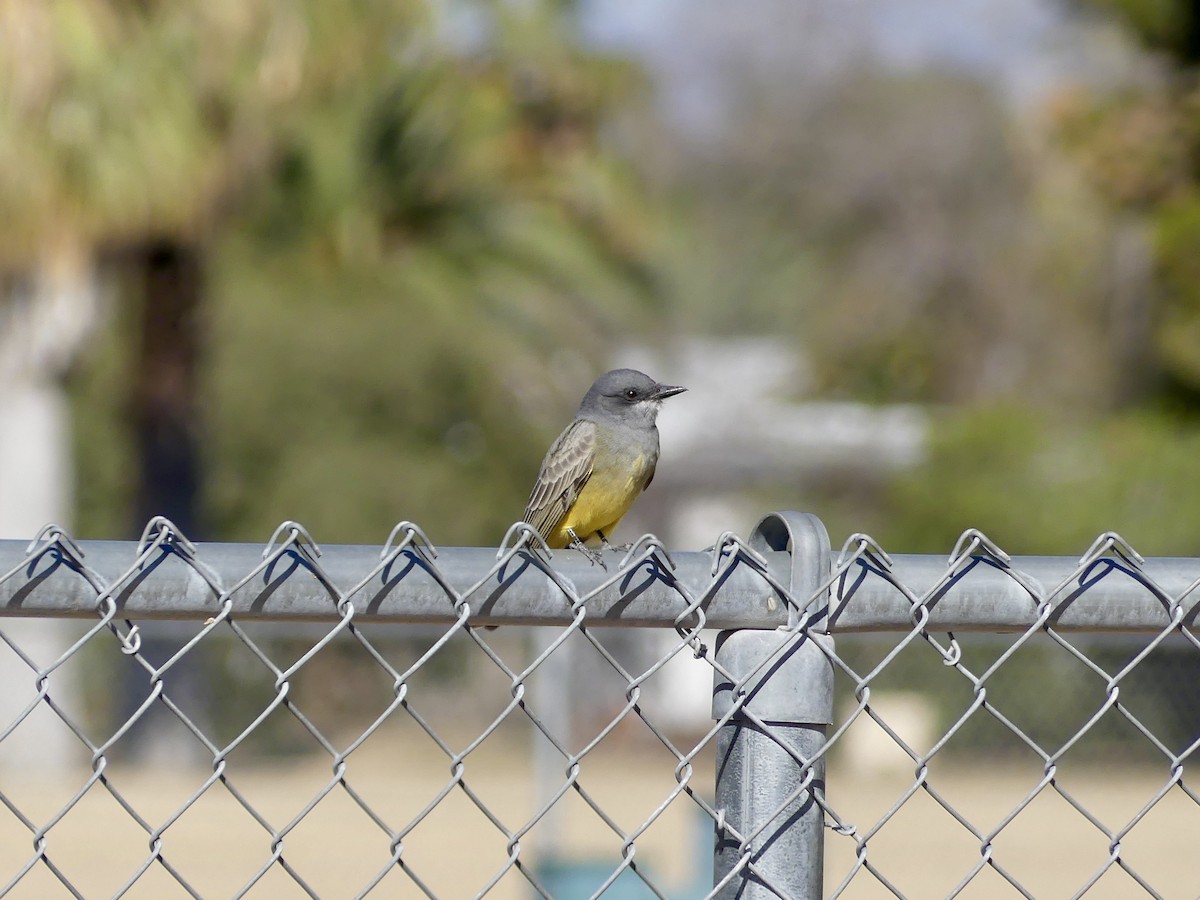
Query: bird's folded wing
(565, 470)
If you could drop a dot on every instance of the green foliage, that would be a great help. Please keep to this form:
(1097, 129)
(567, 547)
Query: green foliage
(121, 119)
(1135, 144)
(1040, 486)
(1140, 147)
(351, 401)
(1167, 24)
(102, 442)
(1179, 258)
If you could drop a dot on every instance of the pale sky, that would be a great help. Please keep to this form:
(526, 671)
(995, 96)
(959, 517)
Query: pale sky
(1024, 46)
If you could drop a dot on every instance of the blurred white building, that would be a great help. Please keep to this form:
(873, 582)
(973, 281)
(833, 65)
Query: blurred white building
(44, 319)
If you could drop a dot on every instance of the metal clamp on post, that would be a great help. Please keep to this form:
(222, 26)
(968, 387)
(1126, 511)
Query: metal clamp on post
(774, 692)
(804, 536)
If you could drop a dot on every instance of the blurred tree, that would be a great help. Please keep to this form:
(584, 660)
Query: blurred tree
(1141, 148)
(442, 246)
(372, 212)
(1170, 25)
(1040, 485)
(122, 141)
(918, 241)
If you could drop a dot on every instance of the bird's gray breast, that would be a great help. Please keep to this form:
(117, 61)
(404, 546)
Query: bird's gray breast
(628, 451)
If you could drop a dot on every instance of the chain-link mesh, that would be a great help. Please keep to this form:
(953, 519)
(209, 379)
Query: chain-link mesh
(291, 722)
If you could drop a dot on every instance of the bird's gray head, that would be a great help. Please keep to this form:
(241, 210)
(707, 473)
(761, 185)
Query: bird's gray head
(629, 395)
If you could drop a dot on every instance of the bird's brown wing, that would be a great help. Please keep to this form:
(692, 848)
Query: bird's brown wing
(564, 472)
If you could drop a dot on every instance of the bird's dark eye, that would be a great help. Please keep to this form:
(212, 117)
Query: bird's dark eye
(631, 394)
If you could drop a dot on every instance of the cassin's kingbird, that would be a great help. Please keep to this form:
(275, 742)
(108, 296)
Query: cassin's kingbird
(600, 463)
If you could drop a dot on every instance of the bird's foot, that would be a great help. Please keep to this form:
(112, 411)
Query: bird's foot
(593, 556)
(617, 548)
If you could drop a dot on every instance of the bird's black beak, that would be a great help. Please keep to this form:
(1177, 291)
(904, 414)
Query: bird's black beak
(663, 391)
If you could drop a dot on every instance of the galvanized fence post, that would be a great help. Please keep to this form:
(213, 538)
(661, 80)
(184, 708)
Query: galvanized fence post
(774, 689)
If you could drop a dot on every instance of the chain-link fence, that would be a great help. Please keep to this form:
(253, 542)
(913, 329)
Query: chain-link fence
(788, 721)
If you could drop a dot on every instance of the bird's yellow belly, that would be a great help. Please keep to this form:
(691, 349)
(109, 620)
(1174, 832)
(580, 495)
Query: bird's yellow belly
(601, 504)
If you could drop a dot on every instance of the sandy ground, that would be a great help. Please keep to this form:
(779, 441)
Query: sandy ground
(456, 851)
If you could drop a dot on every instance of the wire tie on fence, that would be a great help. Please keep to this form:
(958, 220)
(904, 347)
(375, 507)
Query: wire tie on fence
(1111, 542)
(299, 536)
(846, 829)
(131, 642)
(953, 656)
(864, 545)
(413, 534)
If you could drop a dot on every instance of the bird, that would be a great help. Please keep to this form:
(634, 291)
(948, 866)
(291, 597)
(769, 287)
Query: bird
(600, 464)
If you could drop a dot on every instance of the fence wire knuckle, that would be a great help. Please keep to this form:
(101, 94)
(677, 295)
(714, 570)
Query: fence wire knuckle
(335, 715)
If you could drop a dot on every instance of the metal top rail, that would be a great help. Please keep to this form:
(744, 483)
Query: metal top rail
(756, 584)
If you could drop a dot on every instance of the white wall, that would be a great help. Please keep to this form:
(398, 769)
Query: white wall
(42, 325)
